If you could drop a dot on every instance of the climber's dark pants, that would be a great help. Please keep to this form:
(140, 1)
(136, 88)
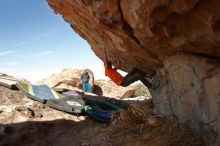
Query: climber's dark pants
(135, 75)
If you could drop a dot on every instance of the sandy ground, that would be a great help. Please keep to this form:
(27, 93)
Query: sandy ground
(24, 122)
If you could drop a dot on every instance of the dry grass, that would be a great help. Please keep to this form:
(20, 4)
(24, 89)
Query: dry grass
(134, 115)
(141, 124)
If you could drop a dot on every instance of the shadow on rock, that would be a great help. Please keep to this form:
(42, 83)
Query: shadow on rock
(97, 90)
(47, 133)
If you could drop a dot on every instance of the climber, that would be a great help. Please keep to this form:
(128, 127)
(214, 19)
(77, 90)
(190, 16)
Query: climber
(134, 75)
(85, 81)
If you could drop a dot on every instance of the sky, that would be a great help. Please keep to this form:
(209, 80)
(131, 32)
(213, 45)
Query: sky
(36, 43)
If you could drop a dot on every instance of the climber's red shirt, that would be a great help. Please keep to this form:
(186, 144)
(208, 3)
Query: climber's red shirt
(113, 75)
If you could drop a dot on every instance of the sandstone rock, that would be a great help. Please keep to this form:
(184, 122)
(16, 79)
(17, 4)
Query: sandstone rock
(144, 33)
(85, 144)
(148, 34)
(110, 89)
(10, 81)
(1, 109)
(192, 94)
(38, 115)
(67, 79)
(6, 76)
(142, 90)
(21, 108)
(140, 100)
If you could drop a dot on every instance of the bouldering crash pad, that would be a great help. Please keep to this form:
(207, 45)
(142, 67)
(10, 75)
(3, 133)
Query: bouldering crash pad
(41, 93)
(70, 104)
(8, 82)
(46, 95)
(98, 114)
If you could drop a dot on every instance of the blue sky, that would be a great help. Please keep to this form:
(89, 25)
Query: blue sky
(35, 42)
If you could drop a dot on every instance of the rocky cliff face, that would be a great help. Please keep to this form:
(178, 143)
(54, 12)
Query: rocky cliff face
(191, 91)
(144, 33)
(150, 34)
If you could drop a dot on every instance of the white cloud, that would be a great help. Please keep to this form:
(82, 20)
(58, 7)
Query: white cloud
(44, 53)
(4, 53)
(12, 64)
(6, 70)
(34, 75)
(9, 52)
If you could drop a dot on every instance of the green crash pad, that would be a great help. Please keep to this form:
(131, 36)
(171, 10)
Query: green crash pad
(96, 107)
(41, 93)
(45, 94)
(68, 104)
(98, 114)
(100, 109)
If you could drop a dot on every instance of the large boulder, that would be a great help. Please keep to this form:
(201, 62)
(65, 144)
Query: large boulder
(110, 89)
(144, 33)
(191, 91)
(68, 79)
(10, 81)
(148, 34)
(12, 78)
